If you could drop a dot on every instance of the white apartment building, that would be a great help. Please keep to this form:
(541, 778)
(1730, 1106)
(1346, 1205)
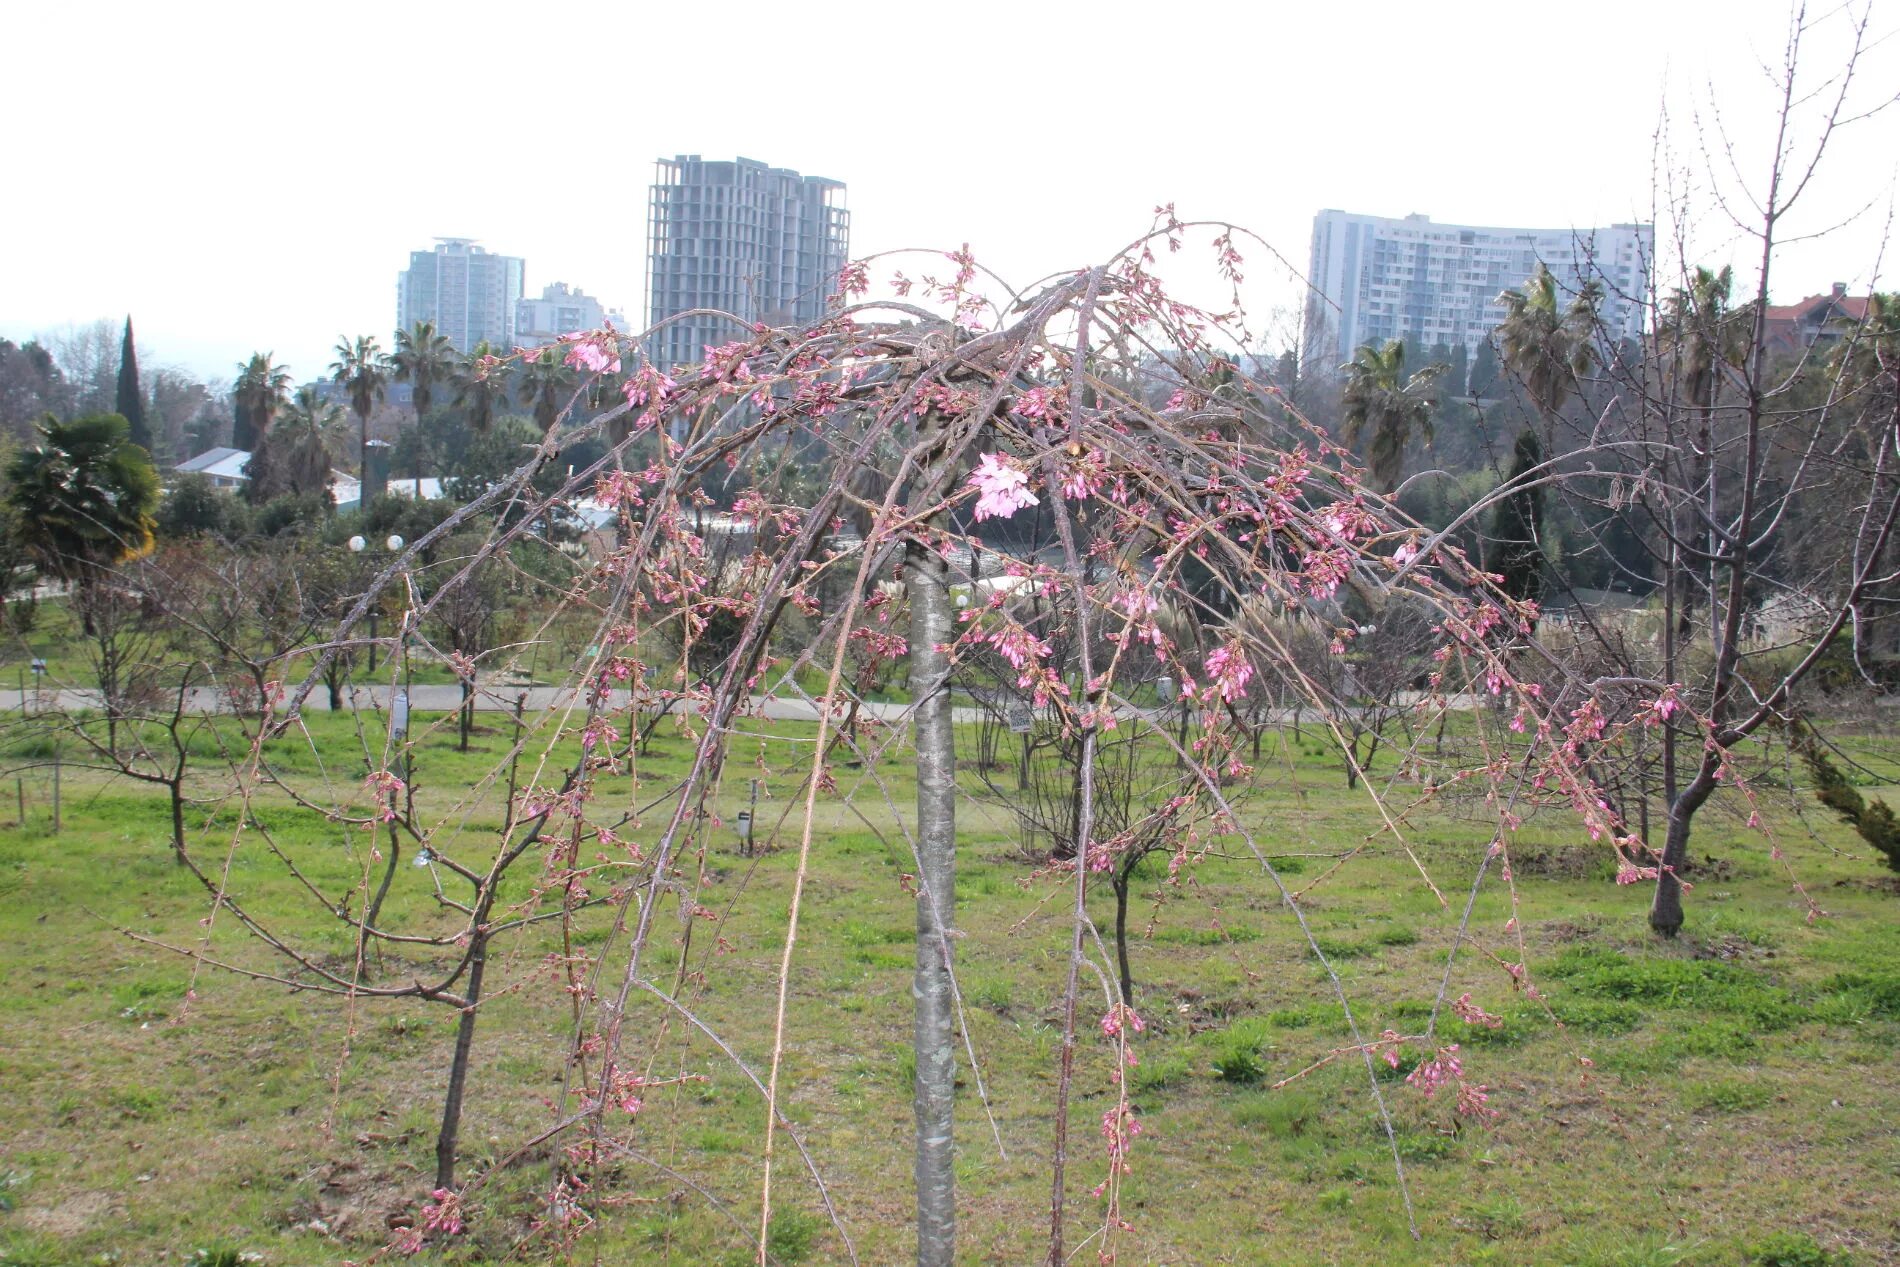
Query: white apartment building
(557, 312)
(1427, 283)
(470, 294)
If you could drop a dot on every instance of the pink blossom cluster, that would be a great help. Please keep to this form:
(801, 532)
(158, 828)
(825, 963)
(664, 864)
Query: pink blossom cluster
(1120, 1126)
(1120, 1016)
(1039, 402)
(593, 351)
(1017, 645)
(1002, 490)
(386, 787)
(1228, 671)
(1471, 1014)
(726, 363)
(1323, 569)
(599, 733)
(648, 385)
(854, 278)
(1443, 1067)
(1083, 477)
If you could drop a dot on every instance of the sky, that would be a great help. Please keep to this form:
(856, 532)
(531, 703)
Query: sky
(252, 176)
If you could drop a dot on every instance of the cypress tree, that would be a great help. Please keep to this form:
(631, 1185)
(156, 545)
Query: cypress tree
(1458, 377)
(1873, 819)
(1512, 550)
(131, 401)
(1484, 369)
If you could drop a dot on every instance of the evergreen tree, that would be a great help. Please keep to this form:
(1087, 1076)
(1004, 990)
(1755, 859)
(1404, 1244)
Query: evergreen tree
(131, 401)
(1459, 375)
(1873, 819)
(1484, 370)
(1513, 550)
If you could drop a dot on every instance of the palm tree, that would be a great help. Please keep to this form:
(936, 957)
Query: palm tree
(1545, 344)
(302, 451)
(361, 369)
(546, 386)
(1703, 332)
(422, 358)
(480, 387)
(84, 498)
(260, 388)
(1378, 397)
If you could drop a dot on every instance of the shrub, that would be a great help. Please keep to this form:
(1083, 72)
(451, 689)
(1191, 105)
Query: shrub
(791, 1236)
(1728, 1095)
(1794, 1249)
(1872, 819)
(1239, 1053)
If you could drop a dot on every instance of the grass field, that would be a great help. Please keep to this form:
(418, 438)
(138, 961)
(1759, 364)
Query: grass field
(1741, 1104)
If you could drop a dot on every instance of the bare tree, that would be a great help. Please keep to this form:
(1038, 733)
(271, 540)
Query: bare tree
(1704, 452)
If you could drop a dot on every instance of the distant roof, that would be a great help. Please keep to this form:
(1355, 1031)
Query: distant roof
(228, 464)
(219, 463)
(1852, 307)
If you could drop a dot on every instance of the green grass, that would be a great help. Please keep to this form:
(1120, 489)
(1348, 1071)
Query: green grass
(1740, 1080)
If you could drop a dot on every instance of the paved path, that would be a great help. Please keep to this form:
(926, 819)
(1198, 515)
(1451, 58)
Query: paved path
(443, 698)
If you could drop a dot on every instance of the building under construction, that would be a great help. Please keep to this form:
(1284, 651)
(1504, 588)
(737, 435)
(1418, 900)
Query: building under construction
(760, 243)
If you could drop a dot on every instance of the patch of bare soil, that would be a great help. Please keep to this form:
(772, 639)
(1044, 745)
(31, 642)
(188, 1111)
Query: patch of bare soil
(357, 1201)
(1726, 947)
(1878, 884)
(1710, 869)
(1564, 931)
(1200, 1013)
(74, 1215)
(1576, 862)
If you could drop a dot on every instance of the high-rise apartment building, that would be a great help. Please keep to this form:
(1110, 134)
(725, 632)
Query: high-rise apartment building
(468, 293)
(557, 312)
(762, 243)
(1429, 283)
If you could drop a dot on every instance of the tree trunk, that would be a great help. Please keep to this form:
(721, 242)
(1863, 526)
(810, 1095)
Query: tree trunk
(468, 710)
(178, 821)
(927, 578)
(382, 891)
(445, 1140)
(1665, 912)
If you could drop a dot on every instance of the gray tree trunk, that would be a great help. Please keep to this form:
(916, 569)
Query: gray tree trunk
(927, 580)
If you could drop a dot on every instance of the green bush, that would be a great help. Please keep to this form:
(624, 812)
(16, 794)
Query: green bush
(1728, 1095)
(1794, 1249)
(1239, 1051)
(790, 1239)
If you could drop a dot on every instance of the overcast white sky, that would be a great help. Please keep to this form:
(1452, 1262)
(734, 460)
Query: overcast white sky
(252, 176)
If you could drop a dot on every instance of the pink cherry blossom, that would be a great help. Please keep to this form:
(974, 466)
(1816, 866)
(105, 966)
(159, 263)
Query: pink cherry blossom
(1002, 489)
(1229, 670)
(587, 353)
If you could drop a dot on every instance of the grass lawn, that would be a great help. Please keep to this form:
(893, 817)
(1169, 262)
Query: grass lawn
(1742, 1089)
